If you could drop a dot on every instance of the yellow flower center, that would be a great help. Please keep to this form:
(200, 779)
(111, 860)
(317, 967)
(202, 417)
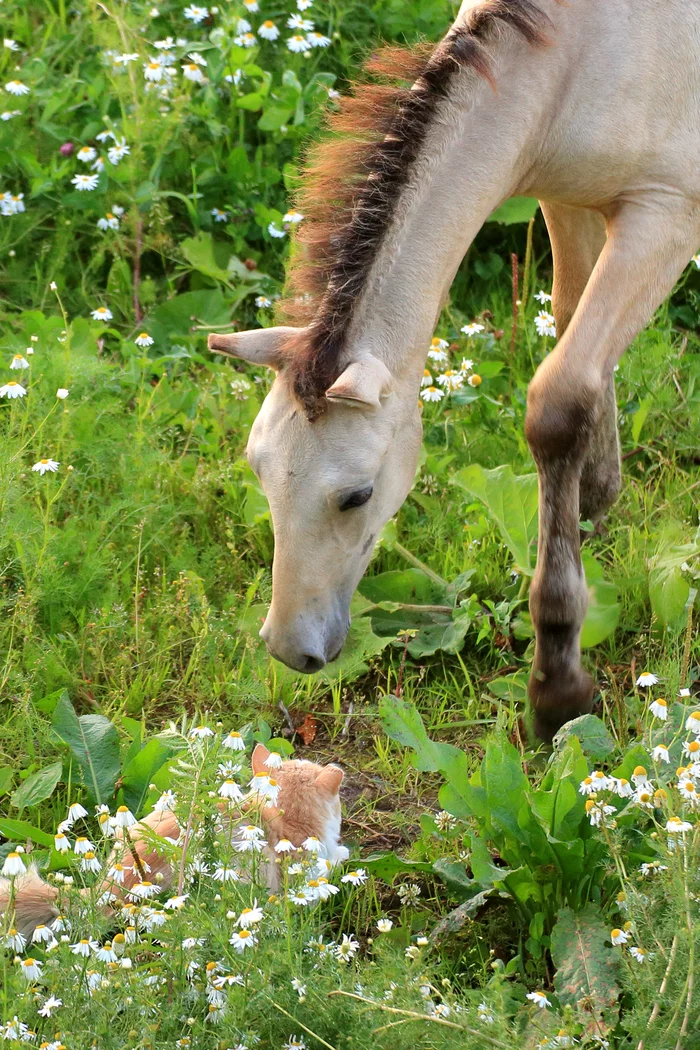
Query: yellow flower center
(639, 771)
(268, 24)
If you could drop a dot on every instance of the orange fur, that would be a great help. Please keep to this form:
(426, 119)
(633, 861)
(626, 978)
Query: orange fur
(307, 805)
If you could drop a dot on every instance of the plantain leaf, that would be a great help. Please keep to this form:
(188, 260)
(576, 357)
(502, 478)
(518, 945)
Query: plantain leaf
(94, 742)
(512, 502)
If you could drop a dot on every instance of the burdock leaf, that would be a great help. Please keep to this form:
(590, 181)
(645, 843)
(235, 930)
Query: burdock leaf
(587, 967)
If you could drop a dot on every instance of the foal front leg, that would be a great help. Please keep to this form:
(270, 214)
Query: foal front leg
(647, 248)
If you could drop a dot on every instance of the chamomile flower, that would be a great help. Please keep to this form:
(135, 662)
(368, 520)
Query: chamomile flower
(86, 154)
(466, 365)
(14, 940)
(484, 1014)
(426, 378)
(230, 789)
(60, 842)
(85, 182)
(233, 741)
(89, 862)
(42, 934)
(687, 790)
(437, 350)
(292, 216)
(474, 380)
(598, 812)
(643, 797)
(218, 215)
(621, 786)
(676, 826)
(196, 14)
(143, 890)
(318, 39)
(543, 297)
(75, 812)
(470, 330)
(539, 999)
(298, 43)
(347, 949)
(126, 59)
(245, 40)
(49, 1005)
(191, 71)
(639, 776)
(639, 954)
(384, 925)
(659, 708)
(46, 464)
(262, 302)
(696, 260)
(19, 362)
(618, 936)
(284, 846)
(124, 818)
(84, 947)
(101, 313)
(12, 390)
(647, 679)
(251, 6)
(242, 939)
(13, 866)
(176, 903)
(273, 760)
(16, 87)
(31, 969)
(660, 753)
(451, 380)
(62, 393)
(274, 230)
(250, 916)
(652, 867)
(432, 393)
(691, 748)
(298, 22)
(544, 323)
(265, 786)
(116, 873)
(104, 135)
(154, 70)
(312, 844)
(201, 732)
(108, 222)
(98, 164)
(302, 897)
(295, 1042)
(117, 152)
(268, 30)
(144, 339)
(356, 878)
(692, 723)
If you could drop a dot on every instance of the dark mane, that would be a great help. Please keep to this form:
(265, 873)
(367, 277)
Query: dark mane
(355, 177)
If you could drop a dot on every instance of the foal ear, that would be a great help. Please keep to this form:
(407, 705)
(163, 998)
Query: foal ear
(329, 779)
(364, 382)
(259, 758)
(261, 346)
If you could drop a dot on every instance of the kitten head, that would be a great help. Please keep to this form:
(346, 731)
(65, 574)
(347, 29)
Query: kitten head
(308, 804)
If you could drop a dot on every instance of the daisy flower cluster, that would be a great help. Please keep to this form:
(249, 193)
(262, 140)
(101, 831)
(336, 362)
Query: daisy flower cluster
(440, 378)
(544, 320)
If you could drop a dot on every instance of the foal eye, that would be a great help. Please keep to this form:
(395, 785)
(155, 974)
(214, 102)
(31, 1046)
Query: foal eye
(357, 499)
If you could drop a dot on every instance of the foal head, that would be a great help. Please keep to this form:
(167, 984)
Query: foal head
(332, 483)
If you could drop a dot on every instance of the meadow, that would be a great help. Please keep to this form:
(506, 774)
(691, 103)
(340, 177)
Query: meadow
(498, 893)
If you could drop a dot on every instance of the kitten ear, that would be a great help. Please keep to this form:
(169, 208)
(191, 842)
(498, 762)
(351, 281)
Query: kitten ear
(259, 757)
(329, 779)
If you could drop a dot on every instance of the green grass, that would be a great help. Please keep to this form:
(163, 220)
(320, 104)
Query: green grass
(135, 577)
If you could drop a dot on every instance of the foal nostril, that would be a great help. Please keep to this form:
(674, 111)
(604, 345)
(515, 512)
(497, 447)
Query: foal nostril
(311, 664)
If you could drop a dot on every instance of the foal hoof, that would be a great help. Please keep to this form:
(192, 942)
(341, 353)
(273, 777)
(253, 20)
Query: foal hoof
(557, 699)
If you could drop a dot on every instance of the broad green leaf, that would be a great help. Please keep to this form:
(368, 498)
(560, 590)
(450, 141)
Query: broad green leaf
(603, 611)
(94, 741)
(6, 777)
(20, 830)
(512, 502)
(516, 209)
(456, 919)
(485, 872)
(511, 687)
(587, 967)
(454, 874)
(639, 418)
(447, 637)
(669, 592)
(139, 772)
(505, 784)
(387, 866)
(403, 723)
(590, 731)
(38, 787)
(199, 252)
(410, 586)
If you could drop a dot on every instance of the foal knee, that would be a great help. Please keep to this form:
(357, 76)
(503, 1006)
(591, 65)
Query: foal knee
(561, 415)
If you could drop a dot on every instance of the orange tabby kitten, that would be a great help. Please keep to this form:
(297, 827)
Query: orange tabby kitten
(307, 806)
